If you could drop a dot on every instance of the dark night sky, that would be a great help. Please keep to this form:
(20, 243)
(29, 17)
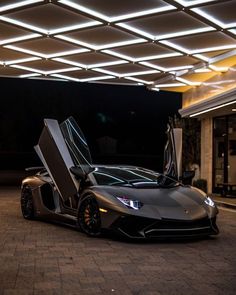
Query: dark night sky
(134, 116)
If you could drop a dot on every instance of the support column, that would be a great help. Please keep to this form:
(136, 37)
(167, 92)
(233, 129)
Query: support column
(207, 151)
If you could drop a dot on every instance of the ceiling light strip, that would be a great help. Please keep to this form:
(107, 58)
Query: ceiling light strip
(218, 69)
(62, 71)
(135, 30)
(140, 73)
(25, 50)
(22, 60)
(23, 25)
(175, 46)
(203, 70)
(185, 33)
(170, 85)
(65, 77)
(213, 108)
(190, 83)
(201, 57)
(94, 47)
(75, 41)
(187, 3)
(52, 55)
(97, 78)
(74, 27)
(116, 54)
(68, 62)
(17, 39)
(159, 68)
(160, 56)
(45, 72)
(107, 64)
(155, 89)
(19, 4)
(85, 10)
(142, 13)
(122, 43)
(213, 19)
(165, 36)
(106, 72)
(139, 80)
(82, 80)
(30, 75)
(148, 64)
(27, 69)
(68, 52)
(216, 48)
(119, 17)
(200, 50)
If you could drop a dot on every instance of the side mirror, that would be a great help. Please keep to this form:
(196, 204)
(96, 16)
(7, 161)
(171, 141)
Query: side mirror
(81, 172)
(77, 172)
(188, 176)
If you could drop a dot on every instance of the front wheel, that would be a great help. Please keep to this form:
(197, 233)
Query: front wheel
(89, 219)
(27, 205)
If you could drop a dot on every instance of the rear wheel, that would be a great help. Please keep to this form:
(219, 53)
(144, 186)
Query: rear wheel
(89, 219)
(27, 205)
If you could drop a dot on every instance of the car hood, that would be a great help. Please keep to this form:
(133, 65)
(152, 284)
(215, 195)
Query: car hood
(179, 202)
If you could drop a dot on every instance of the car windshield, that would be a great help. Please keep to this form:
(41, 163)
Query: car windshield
(135, 177)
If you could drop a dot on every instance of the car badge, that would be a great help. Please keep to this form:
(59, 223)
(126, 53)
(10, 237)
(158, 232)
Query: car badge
(186, 211)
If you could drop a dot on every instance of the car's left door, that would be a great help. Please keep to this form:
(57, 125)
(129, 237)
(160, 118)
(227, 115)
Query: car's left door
(53, 152)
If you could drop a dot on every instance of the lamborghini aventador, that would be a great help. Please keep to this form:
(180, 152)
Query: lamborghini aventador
(135, 202)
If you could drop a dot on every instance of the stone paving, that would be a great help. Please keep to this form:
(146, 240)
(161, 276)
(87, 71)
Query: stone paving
(42, 258)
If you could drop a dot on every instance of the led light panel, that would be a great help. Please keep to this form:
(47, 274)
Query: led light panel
(22, 42)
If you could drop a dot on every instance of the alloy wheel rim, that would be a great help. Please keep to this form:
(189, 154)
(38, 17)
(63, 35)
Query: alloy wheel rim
(90, 217)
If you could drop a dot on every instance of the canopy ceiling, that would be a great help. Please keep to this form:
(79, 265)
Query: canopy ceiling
(170, 45)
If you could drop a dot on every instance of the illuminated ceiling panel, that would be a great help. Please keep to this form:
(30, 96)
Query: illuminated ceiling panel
(10, 34)
(161, 26)
(115, 11)
(162, 44)
(222, 13)
(144, 51)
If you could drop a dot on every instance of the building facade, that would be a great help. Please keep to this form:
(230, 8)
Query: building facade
(214, 104)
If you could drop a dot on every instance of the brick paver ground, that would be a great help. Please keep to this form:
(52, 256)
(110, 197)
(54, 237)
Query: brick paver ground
(42, 258)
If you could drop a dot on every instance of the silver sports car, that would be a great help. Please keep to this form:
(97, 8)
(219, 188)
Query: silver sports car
(135, 202)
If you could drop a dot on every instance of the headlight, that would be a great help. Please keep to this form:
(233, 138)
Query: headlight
(209, 202)
(134, 204)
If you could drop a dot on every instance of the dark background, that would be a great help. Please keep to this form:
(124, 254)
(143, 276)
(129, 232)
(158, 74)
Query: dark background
(122, 124)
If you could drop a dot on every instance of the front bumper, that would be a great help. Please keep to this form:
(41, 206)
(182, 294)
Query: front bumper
(147, 228)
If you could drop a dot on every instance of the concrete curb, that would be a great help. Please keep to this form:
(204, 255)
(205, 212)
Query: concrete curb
(225, 205)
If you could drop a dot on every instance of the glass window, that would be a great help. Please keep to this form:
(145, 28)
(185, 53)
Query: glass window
(232, 149)
(224, 154)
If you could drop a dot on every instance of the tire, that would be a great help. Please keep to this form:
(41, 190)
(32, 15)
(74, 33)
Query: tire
(27, 205)
(89, 219)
